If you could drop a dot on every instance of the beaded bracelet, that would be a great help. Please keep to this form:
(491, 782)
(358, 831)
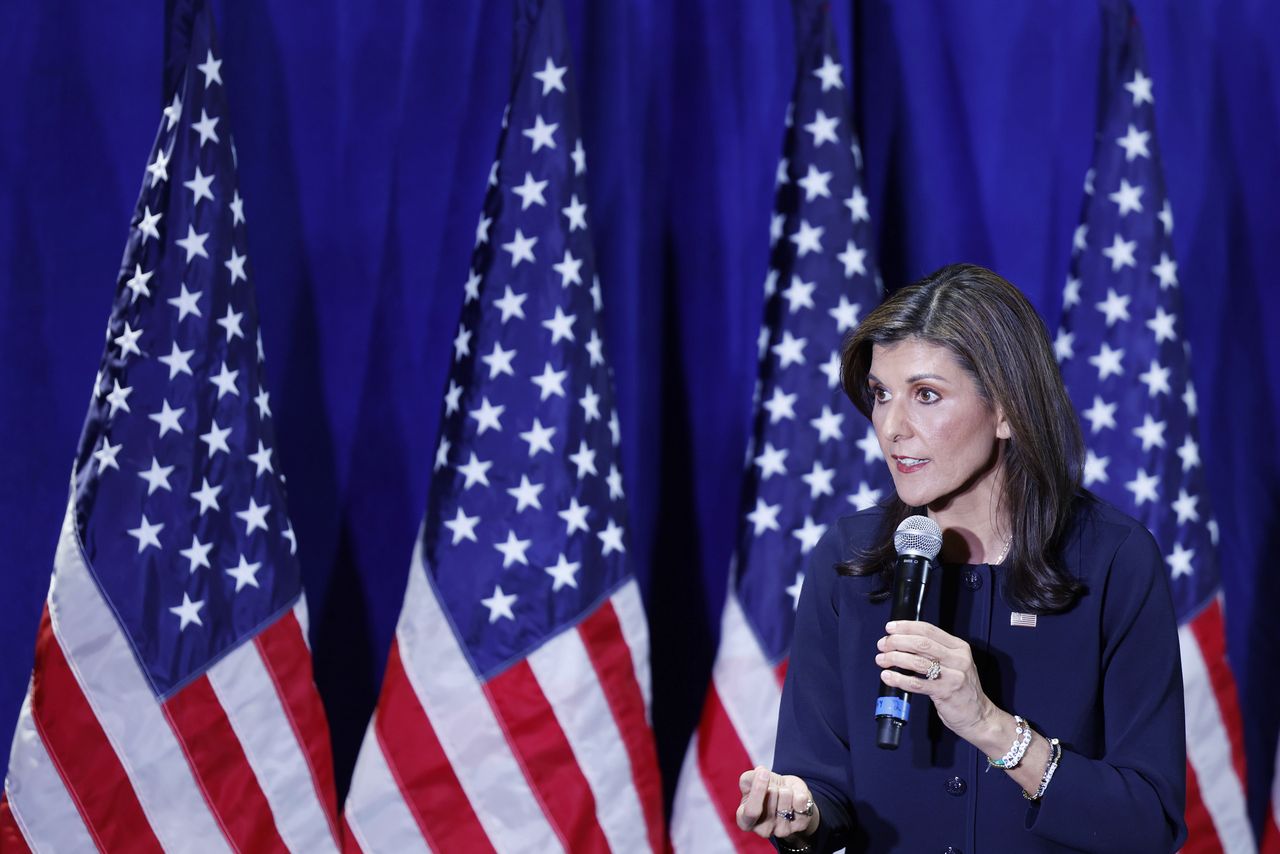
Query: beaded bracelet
(1021, 741)
(1055, 754)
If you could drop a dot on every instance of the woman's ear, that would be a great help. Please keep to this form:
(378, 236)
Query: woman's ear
(1003, 431)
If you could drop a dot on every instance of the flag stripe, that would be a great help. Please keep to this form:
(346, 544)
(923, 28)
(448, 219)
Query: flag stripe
(11, 838)
(602, 637)
(1201, 836)
(629, 608)
(82, 753)
(747, 685)
(287, 658)
(1211, 635)
(377, 818)
(721, 760)
(238, 802)
(696, 823)
(546, 757)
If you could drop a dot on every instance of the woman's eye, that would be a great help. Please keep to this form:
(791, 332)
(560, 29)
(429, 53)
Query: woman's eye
(928, 395)
(880, 393)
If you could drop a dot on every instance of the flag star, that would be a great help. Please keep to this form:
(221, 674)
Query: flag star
(823, 128)
(854, 260)
(1064, 345)
(1188, 452)
(226, 381)
(482, 229)
(579, 158)
(211, 69)
(193, 243)
(157, 477)
(831, 367)
(526, 494)
(1101, 415)
(235, 264)
(794, 590)
(1143, 487)
(576, 212)
(206, 128)
(845, 314)
(216, 438)
(231, 323)
(1212, 525)
(1162, 325)
(186, 303)
(550, 382)
(119, 397)
(1151, 432)
(809, 534)
(147, 533)
(1180, 560)
(237, 209)
(1121, 253)
(590, 403)
(197, 554)
(530, 192)
(807, 239)
(137, 284)
(521, 248)
(1189, 399)
(596, 299)
(777, 222)
(595, 349)
(452, 398)
(772, 461)
(245, 573)
(1071, 293)
(799, 295)
(569, 269)
(262, 460)
(564, 572)
(1107, 361)
(541, 134)
(475, 471)
(461, 343)
(584, 459)
(487, 416)
(1095, 468)
(188, 612)
(865, 497)
(499, 361)
(289, 535)
(552, 77)
(857, 205)
(828, 425)
(199, 186)
(870, 446)
(815, 184)
(762, 344)
(575, 516)
(1115, 307)
(106, 455)
(539, 438)
(1185, 507)
(207, 496)
(511, 304)
(783, 174)
(1166, 217)
(615, 428)
(159, 168)
(829, 73)
(614, 480)
(611, 538)
(147, 225)
(173, 112)
(493, 167)
(764, 517)
(472, 287)
(781, 405)
(513, 550)
(168, 417)
(1156, 379)
(819, 480)
(790, 350)
(127, 340)
(263, 401)
(499, 605)
(1166, 271)
(254, 516)
(1128, 198)
(442, 454)
(1140, 88)
(178, 360)
(463, 527)
(1134, 143)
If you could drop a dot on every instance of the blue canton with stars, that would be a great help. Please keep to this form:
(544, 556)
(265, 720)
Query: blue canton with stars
(1122, 348)
(180, 504)
(524, 532)
(813, 457)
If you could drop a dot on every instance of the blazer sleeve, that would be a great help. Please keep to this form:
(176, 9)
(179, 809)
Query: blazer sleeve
(812, 742)
(1132, 798)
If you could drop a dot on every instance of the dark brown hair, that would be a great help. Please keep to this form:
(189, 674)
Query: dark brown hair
(997, 337)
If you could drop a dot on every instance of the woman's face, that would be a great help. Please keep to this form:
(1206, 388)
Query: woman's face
(939, 437)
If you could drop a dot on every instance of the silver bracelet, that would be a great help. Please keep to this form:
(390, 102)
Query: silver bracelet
(1021, 741)
(1055, 754)
(787, 847)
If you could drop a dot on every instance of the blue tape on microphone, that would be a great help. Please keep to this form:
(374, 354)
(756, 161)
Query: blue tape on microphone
(893, 707)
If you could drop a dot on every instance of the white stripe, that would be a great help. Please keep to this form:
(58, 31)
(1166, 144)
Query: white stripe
(747, 684)
(37, 797)
(635, 628)
(376, 811)
(1209, 751)
(257, 715)
(695, 823)
(124, 705)
(452, 698)
(567, 678)
(303, 617)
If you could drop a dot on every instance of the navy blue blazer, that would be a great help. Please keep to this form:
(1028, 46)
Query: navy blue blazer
(1104, 678)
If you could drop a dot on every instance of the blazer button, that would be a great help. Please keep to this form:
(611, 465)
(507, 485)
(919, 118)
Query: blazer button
(956, 786)
(951, 849)
(972, 579)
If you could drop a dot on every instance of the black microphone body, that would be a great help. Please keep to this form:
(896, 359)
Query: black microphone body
(912, 574)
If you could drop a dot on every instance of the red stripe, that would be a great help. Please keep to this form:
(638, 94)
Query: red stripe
(1210, 634)
(780, 671)
(285, 654)
(420, 767)
(546, 757)
(91, 771)
(350, 845)
(11, 839)
(221, 768)
(1271, 833)
(721, 761)
(1202, 836)
(611, 658)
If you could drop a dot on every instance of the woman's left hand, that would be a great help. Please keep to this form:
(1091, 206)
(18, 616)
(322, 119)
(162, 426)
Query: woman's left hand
(956, 691)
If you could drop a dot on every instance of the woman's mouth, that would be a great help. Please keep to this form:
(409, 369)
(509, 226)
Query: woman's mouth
(907, 465)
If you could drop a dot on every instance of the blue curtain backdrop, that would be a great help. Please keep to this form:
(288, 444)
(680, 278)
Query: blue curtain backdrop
(365, 133)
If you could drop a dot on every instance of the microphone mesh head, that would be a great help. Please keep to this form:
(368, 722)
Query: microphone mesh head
(918, 535)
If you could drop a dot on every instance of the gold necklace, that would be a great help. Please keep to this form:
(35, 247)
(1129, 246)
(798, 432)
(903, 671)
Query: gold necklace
(1003, 552)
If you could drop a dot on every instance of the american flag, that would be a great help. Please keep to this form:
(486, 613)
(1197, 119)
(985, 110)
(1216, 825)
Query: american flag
(812, 457)
(514, 713)
(1125, 360)
(171, 706)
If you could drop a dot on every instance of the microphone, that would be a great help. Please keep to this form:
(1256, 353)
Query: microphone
(917, 540)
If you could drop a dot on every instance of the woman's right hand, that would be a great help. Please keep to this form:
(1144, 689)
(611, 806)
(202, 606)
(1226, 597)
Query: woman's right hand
(768, 798)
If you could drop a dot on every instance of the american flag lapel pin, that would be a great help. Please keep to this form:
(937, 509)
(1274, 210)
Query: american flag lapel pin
(1017, 619)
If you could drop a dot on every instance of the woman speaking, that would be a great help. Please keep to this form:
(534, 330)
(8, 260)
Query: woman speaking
(1044, 672)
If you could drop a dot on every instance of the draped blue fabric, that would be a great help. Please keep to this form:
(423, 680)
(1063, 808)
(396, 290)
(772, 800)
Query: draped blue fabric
(365, 133)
